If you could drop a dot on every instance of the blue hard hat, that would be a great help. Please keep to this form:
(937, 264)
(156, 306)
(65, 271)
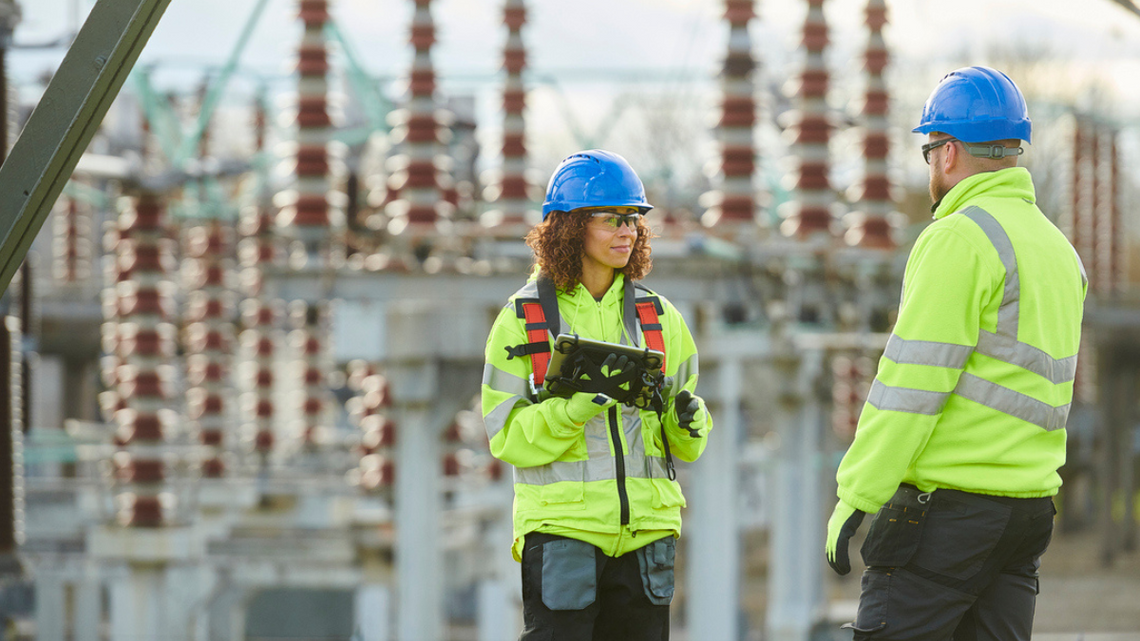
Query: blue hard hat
(976, 104)
(594, 178)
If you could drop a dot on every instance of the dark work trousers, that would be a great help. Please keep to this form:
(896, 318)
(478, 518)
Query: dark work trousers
(574, 592)
(952, 565)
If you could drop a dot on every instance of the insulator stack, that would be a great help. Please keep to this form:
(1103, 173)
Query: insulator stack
(1106, 237)
(418, 180)
(209, 339)
(73, 247)
(733, 202)
(1117, 231)
(1084, 197)
(869, 226)
(851, 381)
(258, 378)
(368, 410)
(14, 424)
(311, 209)
(809, 213)
(453, 450)
(511, 192)
(258, 250)
(142, 338)
(310, 352)
(260, 121)
(466, 450)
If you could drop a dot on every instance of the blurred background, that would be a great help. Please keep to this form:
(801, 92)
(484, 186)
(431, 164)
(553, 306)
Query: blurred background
(240, 365)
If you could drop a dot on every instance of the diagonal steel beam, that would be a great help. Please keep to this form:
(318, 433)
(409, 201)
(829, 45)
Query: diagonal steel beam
(66, 118)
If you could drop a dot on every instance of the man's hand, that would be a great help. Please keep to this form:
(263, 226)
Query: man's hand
(840, 528)
(687, 407)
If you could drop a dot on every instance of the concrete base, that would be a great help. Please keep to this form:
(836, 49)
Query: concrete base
(141, 545)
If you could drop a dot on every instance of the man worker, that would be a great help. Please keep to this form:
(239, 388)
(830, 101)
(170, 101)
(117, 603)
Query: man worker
(597, 508)
(957, 448)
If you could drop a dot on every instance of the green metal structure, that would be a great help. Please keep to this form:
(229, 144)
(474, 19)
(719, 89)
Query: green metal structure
(66, 118)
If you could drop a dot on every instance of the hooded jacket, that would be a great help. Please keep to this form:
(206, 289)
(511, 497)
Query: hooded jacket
(567, 477)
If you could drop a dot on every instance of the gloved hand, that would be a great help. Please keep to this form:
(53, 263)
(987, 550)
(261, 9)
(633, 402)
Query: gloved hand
(840, 528)
(583, 406)
(687, 407)
(617, 366)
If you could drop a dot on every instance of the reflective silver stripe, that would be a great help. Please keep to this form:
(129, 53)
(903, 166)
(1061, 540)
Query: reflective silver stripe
(904, 399)
(1081, 264)
(1024, 355)
(636, 467)
(1010, 301)
(501, 381)
(601, 466)
(1003, 345)
(496, 419)
(631, 425)
(529, 290)
(686, 370)
(907, 352)
(1015, 404)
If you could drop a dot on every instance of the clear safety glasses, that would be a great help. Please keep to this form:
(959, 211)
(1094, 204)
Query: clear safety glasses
(613, 220)
(931, 146)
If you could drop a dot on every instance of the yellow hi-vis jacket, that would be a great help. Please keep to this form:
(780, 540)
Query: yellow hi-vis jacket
(974, 387)
(568, 480)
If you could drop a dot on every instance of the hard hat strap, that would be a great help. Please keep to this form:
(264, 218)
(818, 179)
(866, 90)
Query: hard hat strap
(995, 152)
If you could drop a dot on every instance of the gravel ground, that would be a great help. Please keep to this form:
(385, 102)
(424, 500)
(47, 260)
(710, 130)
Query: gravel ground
(1080, 595)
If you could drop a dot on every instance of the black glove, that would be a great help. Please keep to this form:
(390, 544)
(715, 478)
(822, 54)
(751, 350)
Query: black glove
(840, 528)
(687, 407)
(618, 367)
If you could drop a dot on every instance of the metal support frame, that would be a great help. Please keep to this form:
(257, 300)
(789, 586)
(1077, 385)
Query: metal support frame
(66, 119)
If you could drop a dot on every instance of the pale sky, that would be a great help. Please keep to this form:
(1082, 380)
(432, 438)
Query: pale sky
(679, 42)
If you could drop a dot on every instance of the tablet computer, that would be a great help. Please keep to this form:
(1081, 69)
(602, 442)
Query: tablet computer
(596, 352)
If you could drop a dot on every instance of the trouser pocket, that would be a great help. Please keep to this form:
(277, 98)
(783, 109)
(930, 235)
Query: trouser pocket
(656, 561)
(896, 530)
(569, 574)
(961, 533)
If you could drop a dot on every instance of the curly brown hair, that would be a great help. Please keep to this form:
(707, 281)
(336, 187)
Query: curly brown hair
(559, 243)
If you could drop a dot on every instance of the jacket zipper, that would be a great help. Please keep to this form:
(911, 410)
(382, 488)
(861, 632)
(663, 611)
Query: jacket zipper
(623, 498)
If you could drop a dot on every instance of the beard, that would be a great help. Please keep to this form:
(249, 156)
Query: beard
(938, 188)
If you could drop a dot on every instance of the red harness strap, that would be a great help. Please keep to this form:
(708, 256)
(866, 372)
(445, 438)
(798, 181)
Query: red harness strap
(537, 333)
(651, 328)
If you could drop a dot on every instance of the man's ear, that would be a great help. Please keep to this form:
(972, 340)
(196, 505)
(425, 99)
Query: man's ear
(950, 158)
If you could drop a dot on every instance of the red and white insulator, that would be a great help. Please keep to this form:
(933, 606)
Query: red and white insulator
(510, 191)
(732, 204)
(869, 226)
(144, 340)
(1084, 193)
(311, 209)
(419, 175)
(208, 339)
(310, 365)
(808, 214)
(1106, 236)
(72, 245)
(456, 458)
(1117, 268)
(258, 380)
(367, 409)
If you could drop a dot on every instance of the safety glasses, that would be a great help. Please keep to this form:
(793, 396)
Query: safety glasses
(931, 146)
(614, 221)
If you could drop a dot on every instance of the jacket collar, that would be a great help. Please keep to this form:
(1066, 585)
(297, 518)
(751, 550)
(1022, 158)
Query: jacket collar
(612, 295)
(1011, 182)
